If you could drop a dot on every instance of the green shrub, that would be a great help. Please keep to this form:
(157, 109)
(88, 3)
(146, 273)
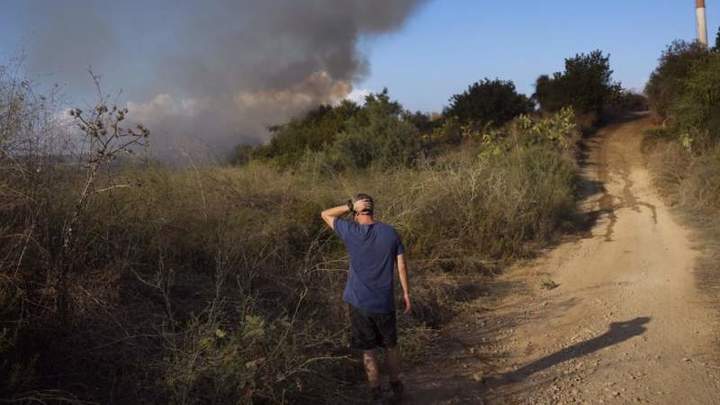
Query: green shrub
(685, 151)
(695, 114)
(488, 102)
(685, 91)
(628, 101)
(378, 135)
(314, 131)
(346, 137)
(667, 82)
(586, 85)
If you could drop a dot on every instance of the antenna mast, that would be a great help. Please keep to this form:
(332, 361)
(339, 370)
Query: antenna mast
(701, 22)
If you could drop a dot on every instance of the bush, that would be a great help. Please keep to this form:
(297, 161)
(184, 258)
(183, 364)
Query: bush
(149, 284)
(684, 90)
(490, 208)
(377, 135)
(346, 137)
(685, 155)
(315, 131)
(586, 85)
(667, 82)
(488, 102)
(695, 114)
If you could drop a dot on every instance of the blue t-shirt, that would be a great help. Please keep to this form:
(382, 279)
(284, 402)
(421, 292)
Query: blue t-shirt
(373, 250)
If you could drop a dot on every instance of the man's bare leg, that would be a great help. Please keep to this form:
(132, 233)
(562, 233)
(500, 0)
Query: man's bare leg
(392, 362)
(371, 368)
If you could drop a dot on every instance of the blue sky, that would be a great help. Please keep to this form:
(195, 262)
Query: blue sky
(452, 43)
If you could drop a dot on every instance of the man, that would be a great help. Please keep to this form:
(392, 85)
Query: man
(374, 249)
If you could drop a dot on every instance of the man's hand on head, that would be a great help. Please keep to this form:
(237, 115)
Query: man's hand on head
(361, 205)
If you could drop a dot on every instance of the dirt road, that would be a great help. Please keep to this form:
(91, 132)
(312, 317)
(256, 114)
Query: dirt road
(614, 317)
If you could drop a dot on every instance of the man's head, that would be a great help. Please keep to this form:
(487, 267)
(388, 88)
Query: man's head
(369, 208)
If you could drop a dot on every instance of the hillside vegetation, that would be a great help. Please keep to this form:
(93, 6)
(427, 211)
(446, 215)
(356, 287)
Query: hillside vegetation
(684, 150)
(140, 283)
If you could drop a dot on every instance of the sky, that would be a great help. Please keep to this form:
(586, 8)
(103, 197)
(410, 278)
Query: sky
(449, 44)
(220, 71)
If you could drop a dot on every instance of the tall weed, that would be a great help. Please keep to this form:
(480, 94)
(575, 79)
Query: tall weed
(216, 285)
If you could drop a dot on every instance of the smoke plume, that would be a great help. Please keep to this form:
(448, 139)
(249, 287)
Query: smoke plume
(216, 73)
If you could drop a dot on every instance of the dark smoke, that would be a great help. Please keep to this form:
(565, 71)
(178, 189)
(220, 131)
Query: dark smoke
(215, 72)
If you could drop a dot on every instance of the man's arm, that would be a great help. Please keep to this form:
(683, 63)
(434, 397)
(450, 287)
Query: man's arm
(330, 214)
(403, 275)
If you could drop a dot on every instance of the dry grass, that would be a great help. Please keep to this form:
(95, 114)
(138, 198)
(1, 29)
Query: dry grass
(691, 183)
(217, 285)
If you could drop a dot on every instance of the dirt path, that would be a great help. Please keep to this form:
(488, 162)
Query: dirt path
(614, 317)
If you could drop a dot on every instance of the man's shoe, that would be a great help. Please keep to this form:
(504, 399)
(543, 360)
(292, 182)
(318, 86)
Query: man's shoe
(397, 390)
(376, 395)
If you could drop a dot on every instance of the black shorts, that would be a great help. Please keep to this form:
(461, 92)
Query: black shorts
(370, 331)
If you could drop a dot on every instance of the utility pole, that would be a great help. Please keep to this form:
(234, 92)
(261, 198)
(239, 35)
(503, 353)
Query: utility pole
(701, 22)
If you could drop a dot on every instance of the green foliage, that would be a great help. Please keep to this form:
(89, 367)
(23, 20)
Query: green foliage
(473, 202)
(559, 131)
(314, 131)
(695, 115)
(488, 102)
(586, 85)
(629, 101)
(378, 134)
(685, 91)
(667, 82)
(422, 121)
(346, 137)
(685, 150)
(451, 132)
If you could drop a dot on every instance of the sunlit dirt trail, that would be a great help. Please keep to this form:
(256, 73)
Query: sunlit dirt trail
(615, 316)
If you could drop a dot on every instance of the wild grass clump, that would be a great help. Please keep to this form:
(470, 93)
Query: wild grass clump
(692, 182)
(684, 93)
(147, 284)
(684, 150)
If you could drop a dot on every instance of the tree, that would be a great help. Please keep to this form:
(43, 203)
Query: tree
(422, 121)
(549, 93)
(314, 131)
(667, 82)
(586, 85)
(488, 102)
(695, 113)
(377, 134)
(380, 132)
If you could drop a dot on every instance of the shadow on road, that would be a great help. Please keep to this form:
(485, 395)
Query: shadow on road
(618, 332)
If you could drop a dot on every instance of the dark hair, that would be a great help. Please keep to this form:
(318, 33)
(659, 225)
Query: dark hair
(363, 196)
